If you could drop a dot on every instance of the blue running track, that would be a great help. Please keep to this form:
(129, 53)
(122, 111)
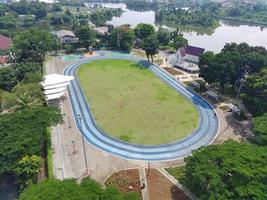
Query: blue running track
(205, 133)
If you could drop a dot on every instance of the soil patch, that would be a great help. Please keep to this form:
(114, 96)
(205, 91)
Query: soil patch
(160, 188)
(172, 71)
(125, 181)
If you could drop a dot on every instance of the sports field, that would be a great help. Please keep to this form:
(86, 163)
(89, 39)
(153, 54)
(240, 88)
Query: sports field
(130, 103)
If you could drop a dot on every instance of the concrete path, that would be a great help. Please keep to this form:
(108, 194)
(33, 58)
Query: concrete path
(143, 180)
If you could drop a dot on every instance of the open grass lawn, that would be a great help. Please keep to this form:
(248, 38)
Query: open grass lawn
(132, 104)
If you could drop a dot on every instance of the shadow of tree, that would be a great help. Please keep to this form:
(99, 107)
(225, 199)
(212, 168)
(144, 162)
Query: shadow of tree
(178, 194)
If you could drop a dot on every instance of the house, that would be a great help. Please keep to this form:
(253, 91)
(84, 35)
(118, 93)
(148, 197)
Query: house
(102, 30)
(186, 58)
(5, 43)
(66, 37)
(189, 53)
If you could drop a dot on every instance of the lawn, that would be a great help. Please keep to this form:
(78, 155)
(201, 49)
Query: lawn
(132, 104)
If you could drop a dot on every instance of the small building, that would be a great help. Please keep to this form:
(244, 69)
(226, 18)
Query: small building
(189, 53)
(101, 30)
(66, 37)
(187, 58)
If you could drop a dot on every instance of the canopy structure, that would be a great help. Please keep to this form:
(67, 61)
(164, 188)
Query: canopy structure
(54, 85)
(213, 95)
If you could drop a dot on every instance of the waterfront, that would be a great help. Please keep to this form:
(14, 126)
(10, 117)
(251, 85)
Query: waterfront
(213, 41)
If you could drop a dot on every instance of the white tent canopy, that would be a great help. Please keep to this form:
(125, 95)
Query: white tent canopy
(54, 85)
(54, 79)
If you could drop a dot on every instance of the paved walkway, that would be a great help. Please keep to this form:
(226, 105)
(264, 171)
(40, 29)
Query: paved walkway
(143, 180)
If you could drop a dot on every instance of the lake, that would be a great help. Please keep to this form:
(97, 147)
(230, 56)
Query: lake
(227, 32)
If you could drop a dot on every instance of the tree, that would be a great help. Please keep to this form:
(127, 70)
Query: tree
(24, 133)
(9, 77)
(228, 171)
(254, 93)
(69, 189)
(27, 170)
(121, 38)
(38, 9)
(31, 45)
(56, 7)
(151, 46)
(260, 129)
(207, 67)
(179, 42)
(142, 31)
(163, 36)
(86, 35)
(24, 96)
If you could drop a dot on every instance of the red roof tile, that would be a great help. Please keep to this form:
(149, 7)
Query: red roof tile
(5, 42)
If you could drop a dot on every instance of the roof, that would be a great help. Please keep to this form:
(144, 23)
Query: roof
(195, 51)
(5, 42)
(63, 33)
(54, 85)
(55, 79)
(101, 29)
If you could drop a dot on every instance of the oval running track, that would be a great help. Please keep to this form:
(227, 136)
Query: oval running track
(206, 132)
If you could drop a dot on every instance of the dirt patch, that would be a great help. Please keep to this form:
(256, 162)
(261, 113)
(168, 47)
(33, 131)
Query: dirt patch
(172, 71)
(125, 181)
(160, 188)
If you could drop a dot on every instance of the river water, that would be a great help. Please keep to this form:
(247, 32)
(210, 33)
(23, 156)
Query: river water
(226, 33)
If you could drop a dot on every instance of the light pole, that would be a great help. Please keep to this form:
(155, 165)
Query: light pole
(79, 117)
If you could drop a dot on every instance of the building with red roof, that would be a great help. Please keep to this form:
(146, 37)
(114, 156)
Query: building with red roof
(5, 43)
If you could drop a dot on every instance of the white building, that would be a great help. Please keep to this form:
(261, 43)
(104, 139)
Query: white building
(187, 58)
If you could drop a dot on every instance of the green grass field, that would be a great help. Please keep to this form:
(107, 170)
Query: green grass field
(132, 104)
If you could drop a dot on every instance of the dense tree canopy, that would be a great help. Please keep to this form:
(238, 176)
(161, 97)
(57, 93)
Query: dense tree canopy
(27, 169)
(179, 41)
(254, 93)
(86, 36)
(121, 38)
(9, 77)
(23, 133)
(163, 36)
(32, 45)
(228, 171)
(260, 129)
(69, 189)
(237, 62)
(142, 31)
(151, 46)
(100, 16)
